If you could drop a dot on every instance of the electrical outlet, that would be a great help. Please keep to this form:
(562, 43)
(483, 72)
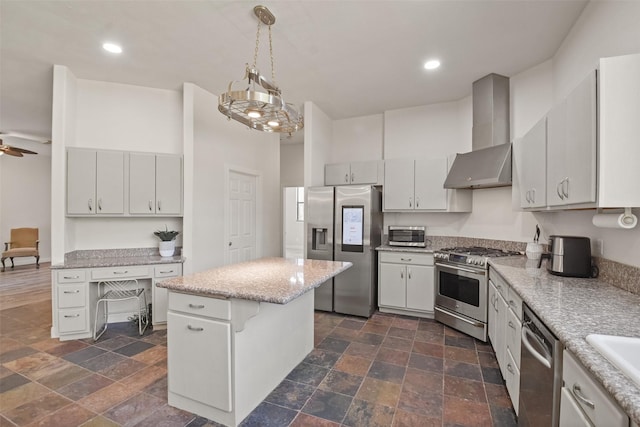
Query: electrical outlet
(598, 247)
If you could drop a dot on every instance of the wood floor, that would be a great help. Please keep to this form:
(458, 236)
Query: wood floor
(25, 284)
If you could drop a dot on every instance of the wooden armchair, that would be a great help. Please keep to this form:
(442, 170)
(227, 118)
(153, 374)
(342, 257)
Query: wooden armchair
(24, 242)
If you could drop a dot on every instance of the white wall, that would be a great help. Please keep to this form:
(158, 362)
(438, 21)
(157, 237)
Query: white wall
(293, 229)
(318, 130)
(357, 139)
(292, 165)
(26, 200)
(219, 144)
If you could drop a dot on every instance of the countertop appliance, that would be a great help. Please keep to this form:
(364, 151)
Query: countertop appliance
(462, 287)
(540, 373)
(345, 224)
(408, 236)
(570, 256)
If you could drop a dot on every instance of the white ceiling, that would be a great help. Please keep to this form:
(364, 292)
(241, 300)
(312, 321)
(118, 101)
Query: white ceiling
(351, 58)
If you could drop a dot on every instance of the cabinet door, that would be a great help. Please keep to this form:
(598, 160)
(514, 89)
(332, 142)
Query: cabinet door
(392, 285)
(429, 179)
(110, 182)
(398, 184)
(364, 172)
(420, 287)
(531, 157)
(81, 182)
(500, 334)
(337, 174)
(142, 183)
(556, 137)
(199, 359)
(513, 336)
(492, 314)
(168, 184)
(160, 296)
(570, 413)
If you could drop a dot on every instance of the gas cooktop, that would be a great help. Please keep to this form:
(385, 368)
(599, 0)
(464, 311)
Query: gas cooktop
(474, 255)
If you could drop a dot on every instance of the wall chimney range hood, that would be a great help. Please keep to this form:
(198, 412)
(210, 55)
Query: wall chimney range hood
(489, 163)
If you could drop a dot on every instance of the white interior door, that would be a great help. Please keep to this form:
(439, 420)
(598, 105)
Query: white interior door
(241, 218)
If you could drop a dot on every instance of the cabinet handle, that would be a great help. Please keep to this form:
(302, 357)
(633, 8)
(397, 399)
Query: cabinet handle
(150, 205)
(68, 316)
(417, 202)
(558, 191)
(510, 368)
(512, 303)
(511, 325)
(77, 291)
(196, 305)
(409, 274)
(346, 178)
(405, 259)
(121, 272)
(410, 202)
(528, 197)
(402, 274)
(166, 272)
(90, 204)
(577, 392)
(71, 277)
(565, 188)
(159, 206)
(353, 177)
(191, 328)
(533, 195)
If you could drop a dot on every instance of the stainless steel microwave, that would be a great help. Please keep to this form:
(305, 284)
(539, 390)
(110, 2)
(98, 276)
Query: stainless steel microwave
(402, 235)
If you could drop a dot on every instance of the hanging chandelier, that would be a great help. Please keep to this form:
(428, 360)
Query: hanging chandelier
(260, 105)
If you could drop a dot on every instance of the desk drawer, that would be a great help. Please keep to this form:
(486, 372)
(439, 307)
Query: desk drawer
(71, 276)
(406, 258)
(115, 273)
(72, 295)
(201, 306)
(72, 320)
(168, 270)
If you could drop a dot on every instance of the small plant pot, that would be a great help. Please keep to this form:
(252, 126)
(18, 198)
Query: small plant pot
(168, 248)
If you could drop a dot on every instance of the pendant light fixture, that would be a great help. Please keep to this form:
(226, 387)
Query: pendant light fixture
(260, 105)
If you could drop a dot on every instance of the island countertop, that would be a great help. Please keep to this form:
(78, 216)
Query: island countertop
(274, 280)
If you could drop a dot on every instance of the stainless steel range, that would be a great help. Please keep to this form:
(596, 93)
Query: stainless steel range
(462, 287)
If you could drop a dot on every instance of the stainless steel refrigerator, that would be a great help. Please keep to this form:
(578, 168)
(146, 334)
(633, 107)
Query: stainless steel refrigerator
(345, 224)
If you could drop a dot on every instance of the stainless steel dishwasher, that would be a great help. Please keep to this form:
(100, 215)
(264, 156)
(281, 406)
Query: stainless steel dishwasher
(540, 373)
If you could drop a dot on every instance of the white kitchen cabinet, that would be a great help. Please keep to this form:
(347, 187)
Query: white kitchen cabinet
(406, 283)
(353, 173)
(202, 348)
(155, 184)
(571, 147)
(95, 182)
(584, 402)
(531, 157)
(160, 295)
(417, 185)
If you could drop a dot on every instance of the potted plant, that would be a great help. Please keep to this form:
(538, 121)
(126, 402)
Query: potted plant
(167, 241)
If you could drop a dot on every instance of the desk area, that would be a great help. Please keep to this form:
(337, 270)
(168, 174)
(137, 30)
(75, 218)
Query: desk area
(75, 293)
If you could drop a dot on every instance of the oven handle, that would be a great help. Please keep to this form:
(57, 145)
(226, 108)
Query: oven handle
(479, 273)
(448, 313)
(544, 359)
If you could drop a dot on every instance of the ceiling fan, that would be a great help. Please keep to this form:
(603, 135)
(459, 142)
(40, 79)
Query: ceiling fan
(15, 151)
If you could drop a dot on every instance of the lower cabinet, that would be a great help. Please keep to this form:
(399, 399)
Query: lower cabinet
(583, 401)
(160, 295)
(505, 326)
(406, 283)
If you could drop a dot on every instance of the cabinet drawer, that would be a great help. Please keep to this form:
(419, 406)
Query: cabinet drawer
(500, 284)
(114, 273)
(512, 380)
(514, 302)
(201, 306)
(406, 258)
(513, 331)
(71, 276)
(72, 320)
(72, 295)
(168, 270)
(582, 386)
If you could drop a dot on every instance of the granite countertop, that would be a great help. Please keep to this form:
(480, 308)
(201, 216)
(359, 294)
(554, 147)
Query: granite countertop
(574, 308)
(389, 248)
(274, 280)
(115, 258)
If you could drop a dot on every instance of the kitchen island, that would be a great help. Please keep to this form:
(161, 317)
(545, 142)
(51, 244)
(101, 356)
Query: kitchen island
(236, 331)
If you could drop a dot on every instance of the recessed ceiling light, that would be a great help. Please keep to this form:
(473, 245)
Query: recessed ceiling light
(112, 47)
(432, 64)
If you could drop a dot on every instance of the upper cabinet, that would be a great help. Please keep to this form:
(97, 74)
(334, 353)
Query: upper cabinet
(155, 184)
(590, 143)
(119, 183)
(353, 173)
(95, 182)
(571, 147)
(417, 185)
(530, 153)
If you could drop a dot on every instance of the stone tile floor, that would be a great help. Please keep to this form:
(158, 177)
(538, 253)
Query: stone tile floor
(385, 371)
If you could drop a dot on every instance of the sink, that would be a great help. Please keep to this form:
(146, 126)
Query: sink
(623, 352)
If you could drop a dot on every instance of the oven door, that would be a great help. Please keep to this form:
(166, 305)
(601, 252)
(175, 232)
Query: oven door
(462, 290)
